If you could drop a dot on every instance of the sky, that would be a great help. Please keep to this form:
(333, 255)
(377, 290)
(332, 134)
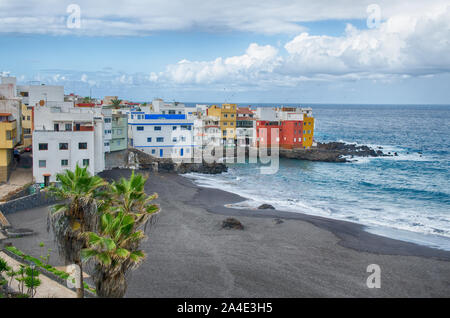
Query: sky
(272, 51)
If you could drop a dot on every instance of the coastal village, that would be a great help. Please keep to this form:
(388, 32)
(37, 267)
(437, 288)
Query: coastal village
(57, 131)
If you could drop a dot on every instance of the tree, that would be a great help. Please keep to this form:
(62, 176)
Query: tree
(116, 103)
(122, 226)
(82, 195)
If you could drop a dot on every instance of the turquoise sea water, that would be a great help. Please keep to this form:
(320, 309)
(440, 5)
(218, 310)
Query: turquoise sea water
(405, 197)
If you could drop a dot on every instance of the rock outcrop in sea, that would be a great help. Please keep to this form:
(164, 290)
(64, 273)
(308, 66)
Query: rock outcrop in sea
(140, 160)
(331, 152)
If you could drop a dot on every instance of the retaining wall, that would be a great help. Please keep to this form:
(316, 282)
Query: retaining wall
(31, 201)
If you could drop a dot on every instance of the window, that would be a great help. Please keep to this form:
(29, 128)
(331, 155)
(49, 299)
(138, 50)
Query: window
(153, 151)
(140, 128)
(157, 127)
(183, 138)
(304, 139)
(232, 115)
(43, 146)
(63, 146)
(174, 127)
(174, 139)
(28, 118)
(82, 145)
(304, 131)
(106, 144)
(107, 120)
(118, 131)
(225, 123)
(160, 139)
(42, 163)
(68, 127)
(64, 162)
(85, 162)
(23, 117)
(27, 131)
(149, 139)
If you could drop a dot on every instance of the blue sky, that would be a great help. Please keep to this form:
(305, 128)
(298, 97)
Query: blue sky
(275, 52)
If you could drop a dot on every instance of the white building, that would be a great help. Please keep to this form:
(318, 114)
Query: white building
(107, 128)
(10, 103)
(64, 137)
(266, 113)
(32, 94)
(207, 131)
(161, 134)
(161, 107)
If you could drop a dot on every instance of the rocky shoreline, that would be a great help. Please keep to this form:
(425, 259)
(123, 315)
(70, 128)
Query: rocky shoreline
(333, 152)
(324, 152)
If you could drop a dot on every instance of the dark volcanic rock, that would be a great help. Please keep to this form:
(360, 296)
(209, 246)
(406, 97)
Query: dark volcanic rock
(232, 223)
(204, 167)
(266, 206)
(331, 152)
(278, 221)
(146, 161)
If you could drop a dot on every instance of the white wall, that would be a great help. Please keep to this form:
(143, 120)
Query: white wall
(53, 155)
(266, 113)
(168, 146)
(36, 93)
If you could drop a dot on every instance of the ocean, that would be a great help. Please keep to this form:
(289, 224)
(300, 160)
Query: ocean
(406, 197)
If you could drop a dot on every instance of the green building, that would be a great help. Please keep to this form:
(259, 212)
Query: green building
(119, 127)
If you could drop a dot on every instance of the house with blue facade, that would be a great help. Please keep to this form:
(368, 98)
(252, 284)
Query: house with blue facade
(161, 135)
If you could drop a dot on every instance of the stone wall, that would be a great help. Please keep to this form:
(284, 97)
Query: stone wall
(31, 201)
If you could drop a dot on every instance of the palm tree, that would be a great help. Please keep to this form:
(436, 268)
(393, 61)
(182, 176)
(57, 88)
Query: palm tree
(116, 103)
(82, 194)
(116, 247)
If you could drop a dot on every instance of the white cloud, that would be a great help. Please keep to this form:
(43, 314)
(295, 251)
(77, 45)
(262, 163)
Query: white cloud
(401, 47)
(142, 17)
(410, 43)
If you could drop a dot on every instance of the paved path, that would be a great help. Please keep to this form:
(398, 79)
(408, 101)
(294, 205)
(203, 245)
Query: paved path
(48, 289)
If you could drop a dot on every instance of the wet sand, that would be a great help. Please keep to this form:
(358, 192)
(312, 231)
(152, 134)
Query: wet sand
(190, 255)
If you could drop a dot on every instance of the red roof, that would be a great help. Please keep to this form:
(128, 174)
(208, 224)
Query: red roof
(244, 110)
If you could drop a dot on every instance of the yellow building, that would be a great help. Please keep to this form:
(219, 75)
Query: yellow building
(27, 125)
(227, 114)
(308, 131)
(8, 140)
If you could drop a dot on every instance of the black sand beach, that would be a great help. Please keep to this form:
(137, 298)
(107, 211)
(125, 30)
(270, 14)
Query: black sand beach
(189, 254)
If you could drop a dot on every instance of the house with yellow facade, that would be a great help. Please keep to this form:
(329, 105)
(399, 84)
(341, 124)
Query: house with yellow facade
(308, 130)
(10, 125)
(27, 125)
(227, 114)
(8, 140)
